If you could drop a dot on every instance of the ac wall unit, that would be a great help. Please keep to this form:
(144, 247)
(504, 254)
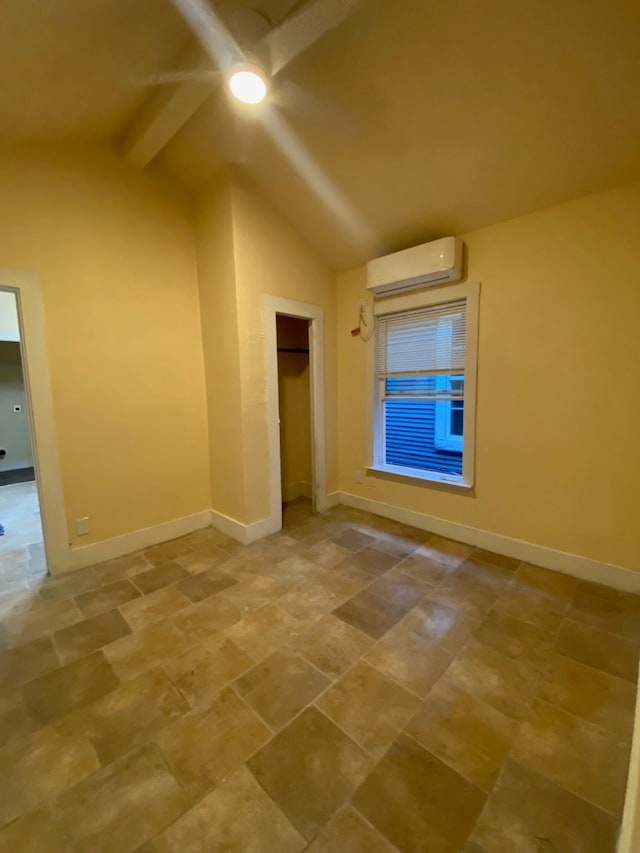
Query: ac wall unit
(438, 262)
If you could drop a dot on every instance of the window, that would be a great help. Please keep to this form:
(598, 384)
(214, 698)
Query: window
(425, 377)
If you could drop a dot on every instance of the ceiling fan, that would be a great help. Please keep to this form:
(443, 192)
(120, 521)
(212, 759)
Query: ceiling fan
(247, 51)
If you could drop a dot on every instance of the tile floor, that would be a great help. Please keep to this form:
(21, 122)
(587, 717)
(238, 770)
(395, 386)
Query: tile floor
(350, 685)
(20, 515)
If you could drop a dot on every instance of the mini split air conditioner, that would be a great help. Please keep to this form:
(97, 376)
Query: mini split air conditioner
(438, 262)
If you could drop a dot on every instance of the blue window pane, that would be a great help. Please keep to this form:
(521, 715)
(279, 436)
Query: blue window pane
(410, 436)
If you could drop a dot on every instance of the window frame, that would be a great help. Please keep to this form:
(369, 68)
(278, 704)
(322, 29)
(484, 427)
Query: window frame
(470, 292)
(444, 439)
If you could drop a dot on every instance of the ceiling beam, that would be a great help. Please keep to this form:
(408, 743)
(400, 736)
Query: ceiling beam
(166, 111)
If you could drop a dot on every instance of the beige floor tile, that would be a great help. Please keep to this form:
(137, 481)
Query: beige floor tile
(166, 551)
(353, 540)
(409, 659)
(590, 693)
(262, 632)
(159, 576)
(349, 831)
(330, 644)
(493, 559)
(198, 561)
(492, 577)
(424, 568)
(599, 649)
(536, 579)
(398, 545)
(201, 621)
(446, 552)
(158, 605)
(280, 687)
(145, 649)
(91, 634)
(290, 570)
(34, 832)
(532, 605)
(528, 813)
(516, 639)
(370, 614)
(121, 806)
(587, 760)
(203, 748)
(39, 767)
(367, 706)
(371, 561)
(466, 733)
(201, 673)
(400, 589)
(506, 684)
(312, 600)
(65, 586)
(169, 684)
(441, 624)
(106, 597)
(417, 802)
(27, 662)
(617, 614)
(310, 769)
(24, 626)
(15, 721)
(471, 599)
(121, 567)
(326, 554)
(64, 689)
(128, 717)
(204, 585)
(237, 817)
(254, 592)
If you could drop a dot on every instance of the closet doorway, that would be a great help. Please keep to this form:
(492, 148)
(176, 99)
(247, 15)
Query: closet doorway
(294, 339)
(294, 409)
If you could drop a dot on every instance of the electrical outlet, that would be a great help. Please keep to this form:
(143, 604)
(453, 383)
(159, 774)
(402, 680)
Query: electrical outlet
(82, 526)
(358, 475)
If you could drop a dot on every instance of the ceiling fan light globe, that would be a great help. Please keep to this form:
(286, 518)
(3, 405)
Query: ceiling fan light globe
(248, 83)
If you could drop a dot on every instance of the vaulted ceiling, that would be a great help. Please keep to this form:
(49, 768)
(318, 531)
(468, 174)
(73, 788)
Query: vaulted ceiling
(401, 122)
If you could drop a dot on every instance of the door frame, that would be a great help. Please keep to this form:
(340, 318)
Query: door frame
(272, 306)
(40, 413)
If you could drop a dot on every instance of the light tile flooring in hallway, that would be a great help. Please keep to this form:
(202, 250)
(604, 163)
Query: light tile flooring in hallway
(350, 685)
(20, 517)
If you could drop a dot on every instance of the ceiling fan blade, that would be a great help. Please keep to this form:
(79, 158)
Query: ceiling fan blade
(293, 98)
(163, 78)
(304, 27)
(210, 31)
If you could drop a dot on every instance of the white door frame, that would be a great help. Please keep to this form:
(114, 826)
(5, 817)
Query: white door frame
(33, 349)
(274, 305)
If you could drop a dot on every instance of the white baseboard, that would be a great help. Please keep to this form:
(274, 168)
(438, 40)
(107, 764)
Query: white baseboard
(333, 499)
(629, 839)
(291, 491)
(118, 546)
(244, 533)
(617, 577)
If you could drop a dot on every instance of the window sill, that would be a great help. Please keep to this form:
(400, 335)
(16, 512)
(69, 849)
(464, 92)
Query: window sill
(425, 477)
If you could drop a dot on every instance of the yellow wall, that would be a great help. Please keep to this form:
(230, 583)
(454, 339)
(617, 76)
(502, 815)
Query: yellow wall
(557, 450)
(218, 304)
(271, 258)
(114, 251)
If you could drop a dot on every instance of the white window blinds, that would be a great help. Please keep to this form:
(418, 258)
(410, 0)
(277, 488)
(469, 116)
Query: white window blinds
(423, 342)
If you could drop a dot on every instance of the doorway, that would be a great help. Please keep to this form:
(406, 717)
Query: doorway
(21, 537)
(295, 407)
